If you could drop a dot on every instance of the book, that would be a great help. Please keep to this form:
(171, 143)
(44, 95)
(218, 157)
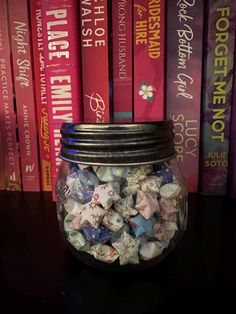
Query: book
(95, 60)
(40, 93)
(183, 83)
(232, 142)
(62, 72)
(2, 171)
(122, 49)
(24, 91)
(10, 174)
(149, 60)
(9, 142)
(217, 96)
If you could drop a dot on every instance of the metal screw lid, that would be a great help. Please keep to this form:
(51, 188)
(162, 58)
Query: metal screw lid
(117, 144)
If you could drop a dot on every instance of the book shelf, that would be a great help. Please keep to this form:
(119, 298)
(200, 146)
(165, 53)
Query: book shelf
(56, 77)
(41, 276)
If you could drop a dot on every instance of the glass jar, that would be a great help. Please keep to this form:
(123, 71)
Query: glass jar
(121, 199)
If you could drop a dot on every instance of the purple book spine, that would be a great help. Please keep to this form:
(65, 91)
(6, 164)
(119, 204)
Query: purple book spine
(232, 150)
(217, 95)
(183, 82)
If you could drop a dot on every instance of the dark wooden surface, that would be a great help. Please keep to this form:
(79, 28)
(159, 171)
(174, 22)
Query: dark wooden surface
(38, 275)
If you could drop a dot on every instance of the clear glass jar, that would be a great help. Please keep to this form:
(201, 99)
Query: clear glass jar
(121, 199)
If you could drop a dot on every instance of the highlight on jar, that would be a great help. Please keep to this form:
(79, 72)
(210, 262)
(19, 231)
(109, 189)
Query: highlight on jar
(121, 198)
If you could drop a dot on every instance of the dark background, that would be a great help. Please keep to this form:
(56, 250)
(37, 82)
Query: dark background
(39, 275)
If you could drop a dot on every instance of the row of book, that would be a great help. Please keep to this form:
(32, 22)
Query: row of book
(117, 61)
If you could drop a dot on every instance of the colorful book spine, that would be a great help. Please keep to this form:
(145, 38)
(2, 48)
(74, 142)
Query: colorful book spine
(11, 174)
(40, 92)
(217, 96)
(62, 72)
(183, 82)
(24, 90)
(232, 146)
(122, 47)
(95, 63)
(149, 58)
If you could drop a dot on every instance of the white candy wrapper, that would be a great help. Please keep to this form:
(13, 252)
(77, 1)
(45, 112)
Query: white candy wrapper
(90, 214)
(130, 190)
(137, 175)
(127, 248)
(78, 241)
(105, 174)
(125, 206)
(104, 253)
(170, 190)
(113, 221)
(72, 207)
(146, 204)
(150, 250)
(106, 194)
(151, 184)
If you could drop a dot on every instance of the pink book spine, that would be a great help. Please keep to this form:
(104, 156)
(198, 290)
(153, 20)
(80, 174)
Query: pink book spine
(24, 90)
(95, 69)
(122, 47)
(62, 72)
(149, 58)
(9, 145)
(40, 92)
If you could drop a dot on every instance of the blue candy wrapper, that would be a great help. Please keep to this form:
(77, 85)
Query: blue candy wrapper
(87, 177)
(141, 226)
(166, 174)
(116, 235)
(82, 194)
(97, 235)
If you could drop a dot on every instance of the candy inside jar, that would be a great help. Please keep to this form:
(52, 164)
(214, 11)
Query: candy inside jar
(120, 201)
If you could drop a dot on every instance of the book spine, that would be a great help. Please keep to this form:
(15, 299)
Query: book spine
(217, 96)
(2, 170)
(40, 92)
(122, 46)
(24, 90)
(95, 63)
(183, 82)
(62, 72)
(9, 145)
(149, 57)
(232, 143)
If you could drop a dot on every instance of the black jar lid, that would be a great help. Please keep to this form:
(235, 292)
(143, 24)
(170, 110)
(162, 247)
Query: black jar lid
(117, 144)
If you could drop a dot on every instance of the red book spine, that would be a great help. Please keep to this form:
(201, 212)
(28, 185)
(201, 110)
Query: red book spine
(2, 184)
(122, 47)
(40, 92)
(149, 56)
(94, 45)
(24, 90)
(9, 145)
(62, 72)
